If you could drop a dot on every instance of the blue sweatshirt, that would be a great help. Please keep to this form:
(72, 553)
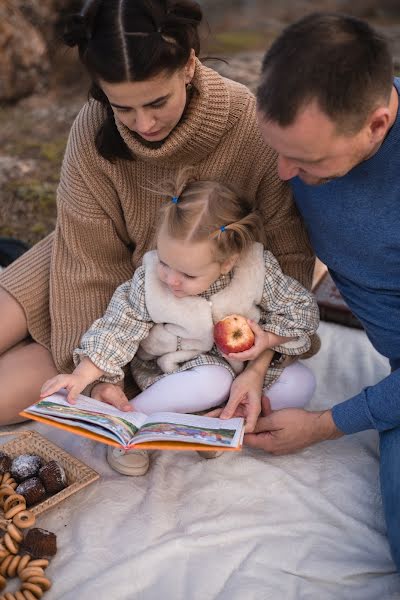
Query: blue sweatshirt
(354, 227)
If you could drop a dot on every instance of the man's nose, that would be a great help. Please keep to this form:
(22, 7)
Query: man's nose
(286, 168)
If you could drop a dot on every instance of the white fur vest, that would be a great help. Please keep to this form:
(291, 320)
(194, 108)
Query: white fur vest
(184, 326)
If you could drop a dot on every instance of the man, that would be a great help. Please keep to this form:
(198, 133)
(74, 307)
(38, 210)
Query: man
(328, 104)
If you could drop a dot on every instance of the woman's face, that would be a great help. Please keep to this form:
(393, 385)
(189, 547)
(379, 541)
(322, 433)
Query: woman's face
(151, 108)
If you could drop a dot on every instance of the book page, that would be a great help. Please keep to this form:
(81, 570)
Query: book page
(177, 427)
(90, 414)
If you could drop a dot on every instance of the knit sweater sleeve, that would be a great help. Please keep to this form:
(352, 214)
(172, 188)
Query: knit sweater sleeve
(376, 407)
(91, 252)
(288, 309)
(285, 232)
(112, 341)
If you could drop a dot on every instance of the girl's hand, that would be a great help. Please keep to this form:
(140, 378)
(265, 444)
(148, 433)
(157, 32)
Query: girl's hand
(245, 398)
(111, 394)
(263, 341)
(73, 383)
(86, 372)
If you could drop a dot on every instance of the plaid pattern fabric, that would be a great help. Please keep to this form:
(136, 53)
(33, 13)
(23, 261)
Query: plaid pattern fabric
(287, 309)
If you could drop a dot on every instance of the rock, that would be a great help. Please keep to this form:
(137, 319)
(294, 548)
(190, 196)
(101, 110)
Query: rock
(45, 15)
(23, 55)
(12, 168)
(244, 67)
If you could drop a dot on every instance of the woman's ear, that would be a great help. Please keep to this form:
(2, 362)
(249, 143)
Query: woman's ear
(229, 263)
(190, 67)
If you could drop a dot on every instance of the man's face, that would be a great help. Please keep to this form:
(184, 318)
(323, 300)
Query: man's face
(312, 149)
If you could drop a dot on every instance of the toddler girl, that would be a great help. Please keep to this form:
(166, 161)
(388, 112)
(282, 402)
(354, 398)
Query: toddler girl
(209, 262)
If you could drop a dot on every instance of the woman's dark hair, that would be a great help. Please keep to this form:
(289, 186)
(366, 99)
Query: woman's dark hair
(131, 40)
(337, 60)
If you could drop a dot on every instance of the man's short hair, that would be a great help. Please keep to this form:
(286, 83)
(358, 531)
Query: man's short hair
(336, 60)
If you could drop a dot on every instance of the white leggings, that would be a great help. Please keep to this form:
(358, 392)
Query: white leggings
(208, 386)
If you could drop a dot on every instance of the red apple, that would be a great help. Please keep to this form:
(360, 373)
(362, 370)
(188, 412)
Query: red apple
(233, 334)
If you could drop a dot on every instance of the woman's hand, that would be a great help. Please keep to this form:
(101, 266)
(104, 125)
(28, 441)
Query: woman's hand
(111, 394)
(73, 383)
(263, 341)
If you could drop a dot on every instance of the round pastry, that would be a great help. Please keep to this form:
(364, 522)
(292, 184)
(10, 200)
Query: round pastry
(5, 463)
(32, 490)
(25, 466)
(53, 477)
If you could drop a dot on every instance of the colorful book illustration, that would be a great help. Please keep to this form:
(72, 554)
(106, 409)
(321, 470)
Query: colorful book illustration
(164, 430)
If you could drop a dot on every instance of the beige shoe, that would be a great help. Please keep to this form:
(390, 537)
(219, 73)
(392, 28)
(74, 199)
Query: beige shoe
(128, 462)
(209, 453)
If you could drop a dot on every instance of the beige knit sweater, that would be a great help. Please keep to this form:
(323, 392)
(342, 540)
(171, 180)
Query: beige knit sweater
(106, 212)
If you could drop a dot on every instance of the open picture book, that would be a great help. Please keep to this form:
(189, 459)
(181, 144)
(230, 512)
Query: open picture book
(163, 430)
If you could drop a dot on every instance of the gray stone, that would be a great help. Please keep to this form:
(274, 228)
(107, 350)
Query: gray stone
(23, 55)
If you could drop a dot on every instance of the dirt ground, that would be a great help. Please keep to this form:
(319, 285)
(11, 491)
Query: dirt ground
(33, 138)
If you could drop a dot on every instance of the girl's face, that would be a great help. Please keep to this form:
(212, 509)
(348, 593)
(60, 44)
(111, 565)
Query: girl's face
(154, 107)
(188, 269)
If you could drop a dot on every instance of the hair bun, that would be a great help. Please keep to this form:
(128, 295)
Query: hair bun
(76, 30)
(184, 11)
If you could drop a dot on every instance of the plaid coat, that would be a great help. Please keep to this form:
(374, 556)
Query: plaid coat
(279, 303)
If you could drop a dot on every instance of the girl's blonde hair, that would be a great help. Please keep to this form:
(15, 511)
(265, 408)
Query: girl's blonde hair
(197, 210)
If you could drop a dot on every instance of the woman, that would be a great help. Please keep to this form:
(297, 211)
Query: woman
(154, 108)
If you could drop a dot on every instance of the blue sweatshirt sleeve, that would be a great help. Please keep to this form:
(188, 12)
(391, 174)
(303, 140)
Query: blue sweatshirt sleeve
(376, 407)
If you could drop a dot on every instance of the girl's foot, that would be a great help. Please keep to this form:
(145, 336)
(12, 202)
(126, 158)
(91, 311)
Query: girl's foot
(265, 406)
(209, 453)
(128, 462)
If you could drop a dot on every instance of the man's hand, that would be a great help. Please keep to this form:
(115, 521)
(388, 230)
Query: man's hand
(111, 394)
(291, 429)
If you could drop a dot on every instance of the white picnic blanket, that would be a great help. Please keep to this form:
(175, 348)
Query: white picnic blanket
(244, 526)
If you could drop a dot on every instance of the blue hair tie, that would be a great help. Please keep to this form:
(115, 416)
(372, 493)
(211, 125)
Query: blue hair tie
(223, 228)
(175, 199)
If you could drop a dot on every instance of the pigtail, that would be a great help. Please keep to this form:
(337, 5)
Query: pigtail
(237, 236)
(173, 210)
(78, 28)
(75, 31)
(181, 23)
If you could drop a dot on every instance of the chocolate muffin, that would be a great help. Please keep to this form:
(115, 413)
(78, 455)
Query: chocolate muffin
(25, 466)
(39, 543)
(53, 477)
(5, 463)
(32, 490)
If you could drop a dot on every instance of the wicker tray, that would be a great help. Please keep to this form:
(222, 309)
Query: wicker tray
(78, 474)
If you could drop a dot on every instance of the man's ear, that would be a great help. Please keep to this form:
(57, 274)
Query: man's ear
(378, 124)
(229, 263)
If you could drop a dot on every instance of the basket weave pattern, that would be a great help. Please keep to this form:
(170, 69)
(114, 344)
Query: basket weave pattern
(78, 474)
